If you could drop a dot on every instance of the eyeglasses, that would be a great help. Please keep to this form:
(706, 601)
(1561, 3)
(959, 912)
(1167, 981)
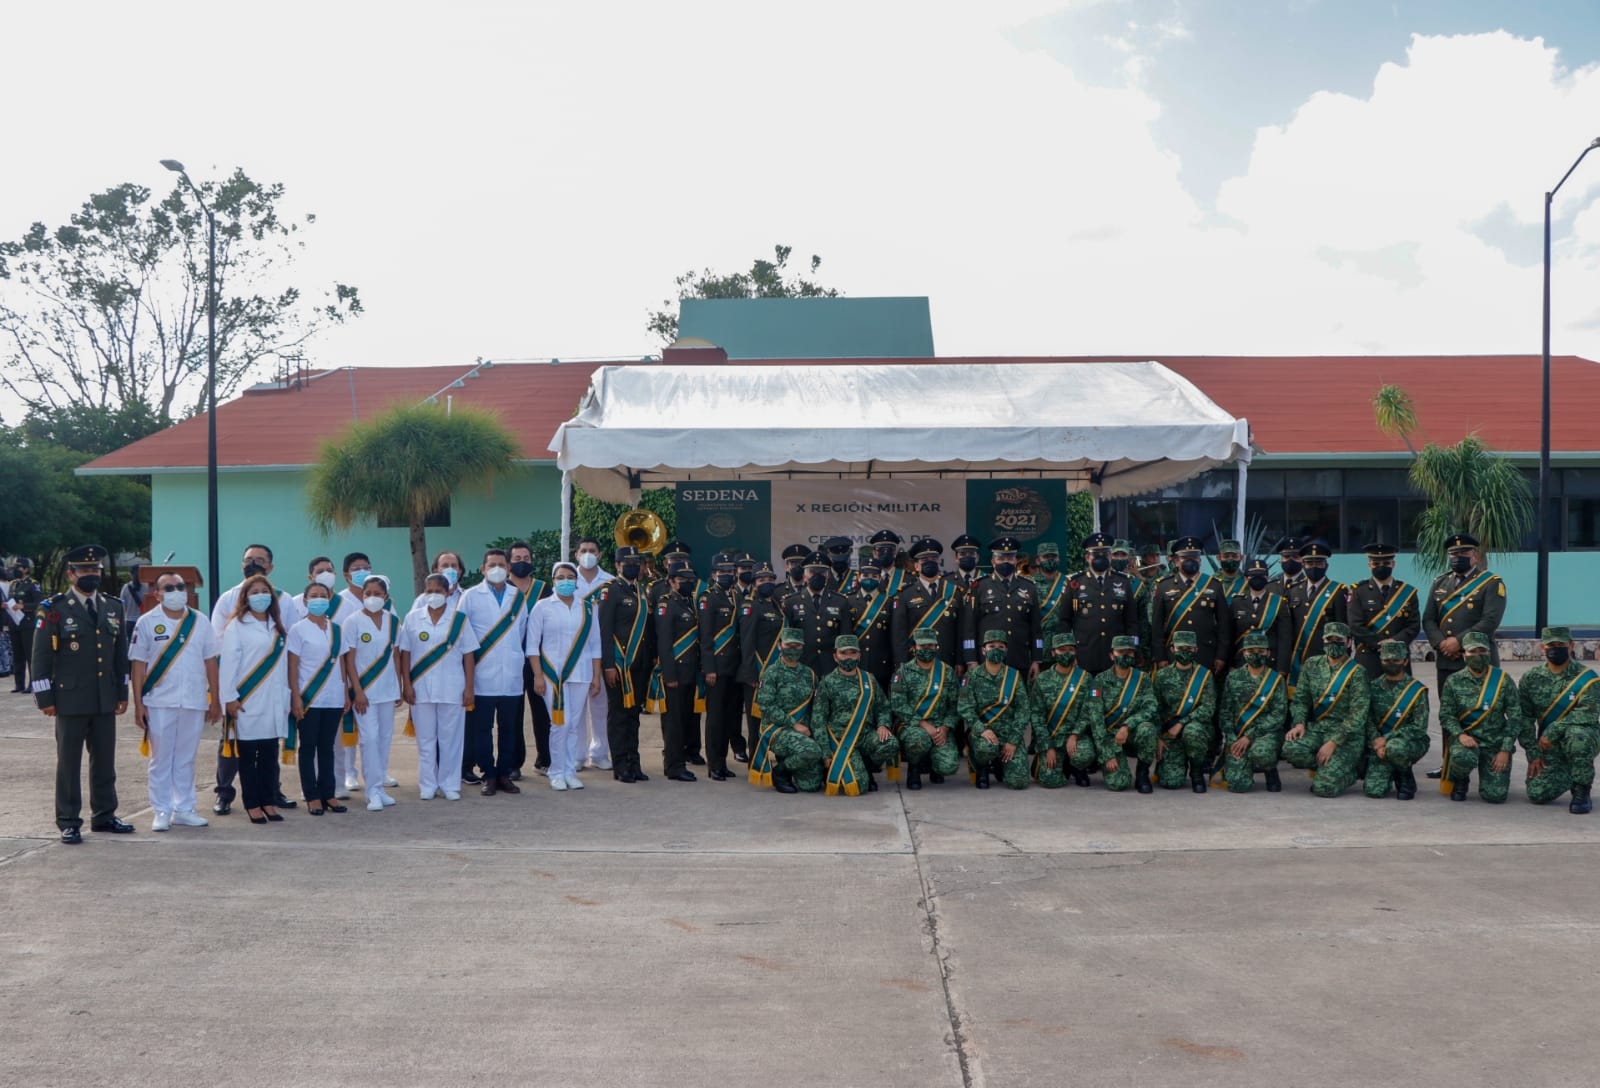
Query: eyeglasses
(165, 586)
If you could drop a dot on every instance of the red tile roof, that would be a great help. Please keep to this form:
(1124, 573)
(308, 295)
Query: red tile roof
(1295, 404)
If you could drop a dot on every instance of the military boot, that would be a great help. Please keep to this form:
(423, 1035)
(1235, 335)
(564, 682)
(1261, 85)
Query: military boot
(913, 776)
(783, 781)
(1081, 778)
(933, 776)
(1459, 787)
(1141, 777)
(872, 783)
(1581, 805)
(1405, 784)
(1274, 783)
(982, 781)
(1197, 777)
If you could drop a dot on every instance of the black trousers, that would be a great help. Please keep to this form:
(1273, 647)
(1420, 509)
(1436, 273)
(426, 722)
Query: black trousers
(541, 726)
(622, 722)
(724, 708)
(258, 772)
(752, 726)
(318, 732)
(227, 769)
(97, 733)
(22, 652)
(496, 760)
(674, 728)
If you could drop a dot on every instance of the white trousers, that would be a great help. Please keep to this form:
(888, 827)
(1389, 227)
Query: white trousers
(174, 741)
(377, 734)
(440, 729)
(564, 738)
(344, 761)
(598, 744)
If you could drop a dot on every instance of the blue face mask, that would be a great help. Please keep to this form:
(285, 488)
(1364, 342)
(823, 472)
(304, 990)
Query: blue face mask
(260, 602)
(318, 606)
(358, 578)
(566, 587)
(451, 575)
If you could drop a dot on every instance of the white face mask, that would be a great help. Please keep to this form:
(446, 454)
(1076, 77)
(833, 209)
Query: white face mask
(588, 561)
(175, 600)
(327, 579)
(496, 576)
(433, 600)
(372, 604)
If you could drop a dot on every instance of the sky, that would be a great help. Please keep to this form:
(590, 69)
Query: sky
(516, 181)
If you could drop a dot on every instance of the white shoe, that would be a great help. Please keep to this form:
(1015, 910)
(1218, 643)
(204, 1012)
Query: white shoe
(374, 805)
(425, 795)
(390, 780)
(386, 799)
(452, 795)
(573, 783)
(190, 819)
(162, 821)
(557, 783)
(350, 783)
(600, 764)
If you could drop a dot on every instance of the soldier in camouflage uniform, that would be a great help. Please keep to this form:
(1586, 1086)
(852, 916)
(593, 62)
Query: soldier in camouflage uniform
(922, 699)
(1186, 697)
(1066, 714)
(1561, 708)
(787, 751)
(1230, 558)
(1253, 715)
(1053, 582)
(1397, 727)
(1329, 712)
(1127, 730)
(1481, 717)
(839, 695)
(994, 707)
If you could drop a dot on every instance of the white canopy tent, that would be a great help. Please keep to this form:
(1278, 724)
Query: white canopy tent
(1112, 428)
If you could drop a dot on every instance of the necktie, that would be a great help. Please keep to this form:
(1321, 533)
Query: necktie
(94, 616)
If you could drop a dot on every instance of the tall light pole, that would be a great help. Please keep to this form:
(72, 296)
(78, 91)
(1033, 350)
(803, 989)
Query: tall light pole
(213, 548)
(1542, 587)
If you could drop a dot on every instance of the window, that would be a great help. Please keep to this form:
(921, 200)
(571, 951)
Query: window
(1583, 523)
(1270, 513)
(439, 519)
(1314, 519)
(1368, 520)
(1152, 522)
(1410, 511)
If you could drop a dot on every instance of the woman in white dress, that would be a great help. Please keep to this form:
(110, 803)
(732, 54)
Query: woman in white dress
(371, 638)
(255, 693)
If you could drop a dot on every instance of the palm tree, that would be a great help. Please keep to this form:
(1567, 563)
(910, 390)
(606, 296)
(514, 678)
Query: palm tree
(1396, 415)
(1470, 488)
(404, 465)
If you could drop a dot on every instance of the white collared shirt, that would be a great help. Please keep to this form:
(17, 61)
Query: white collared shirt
(586, 589)
(498, 672)
(310, 644)
(245, 644)
(446, 681)
(184, 684)
(288, 609)
(552, 628)
(367, 640)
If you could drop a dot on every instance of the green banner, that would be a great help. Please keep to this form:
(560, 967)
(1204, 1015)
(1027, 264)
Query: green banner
(1033, 511)
(724, 516)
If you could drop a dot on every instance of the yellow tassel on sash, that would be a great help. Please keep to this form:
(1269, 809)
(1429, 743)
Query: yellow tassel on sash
(892, 772)
(410, 730)
(288, 757)
(144, 744)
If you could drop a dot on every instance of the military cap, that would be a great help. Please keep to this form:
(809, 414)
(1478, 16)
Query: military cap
(926, 546)
(873, 562)
(1257, 640)
(1185, 638)
(675, 547)
(1460, 540)
(744, 559)
(818, 559)
(1005, 544)
(792, 634)
(1555, 634)
(1121, 547)
(796, 551)
(1256, 566)
(1149, 549)
(1097, 540)
(1047, 548)
(1287, 546)
(994, 635)
(837, 544)
(1379, 551)
(1392, 649)
(924, 637)
(846, 642)
(23, 563)
(1229, 546)
(724, 561)
(884, 536)
(764, 570)
(85, 555)
(1063, 638)
(1474, 640)
(966, 540)
(1187, 544)
(1316, 550)
(1335, 630)
(1124, 642)
(625, 552)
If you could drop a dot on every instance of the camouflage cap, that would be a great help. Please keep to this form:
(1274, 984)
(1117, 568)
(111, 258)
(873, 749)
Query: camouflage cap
(1555, 634)
(1474, 640)
(1048, 548)
(924, 637)
(1185, 638)
(1124, 642)
(1063, 638)
(994, 635)
(1230, 546)
(1337, 630)
(846, 642)
(1257, 640)
(1121, 547)
(1392, 649)
(792, 634)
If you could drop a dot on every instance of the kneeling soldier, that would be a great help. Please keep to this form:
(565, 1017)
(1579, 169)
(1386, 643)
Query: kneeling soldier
(1187, 700)
(1399, 729)
(1481, 718)
(1128, 726)
(852, 716)
(787, 756)
(994, 708)
(1329, 712)
(922, 698)
(1254, 714)
(1065, 714)
(1561, 704)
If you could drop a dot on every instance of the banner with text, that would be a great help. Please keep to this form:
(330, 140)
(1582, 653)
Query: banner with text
(809, 511)
(717, 517)
(1033, 511)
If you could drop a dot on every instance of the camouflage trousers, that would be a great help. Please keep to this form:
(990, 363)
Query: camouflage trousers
(1262, 755)
(1568, 762)
(801, 756)
(1399, 754)
(1055, 778)
(1462, 761)
(1191, 748)
(1014, 772)
(882, 753)
(917, 745)
(1340, 772)
(1141, 748)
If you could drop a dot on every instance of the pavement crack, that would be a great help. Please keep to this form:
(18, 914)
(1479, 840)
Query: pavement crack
(1001, 839)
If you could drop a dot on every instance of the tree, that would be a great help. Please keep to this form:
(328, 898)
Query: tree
(765, 279)
(403, 466)
(1396, 415)
(109, 310)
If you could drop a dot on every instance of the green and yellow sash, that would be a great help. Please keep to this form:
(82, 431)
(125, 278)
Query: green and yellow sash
(1391, 611)
(938, 676)
(263, 669)
(1191, 695)
(841, 775)
(765, 659)
(623, 652)
(936, 611)
(1051, 600)
(1118, 713)
(1402, 706)
(1236, 585)
(320, 677)
(1568, 698)
(870, 616)
(1461, 595)
(1308, 630)
(350, 730)
(170, 655)
(1266, 688)
(501, 626)
(558, 703)
(420, 667)
(1334, 691)
(1269, 616)
(761, 759)
(1483, 706)
(1002, 699)
(1066, 699)
(1185, 603)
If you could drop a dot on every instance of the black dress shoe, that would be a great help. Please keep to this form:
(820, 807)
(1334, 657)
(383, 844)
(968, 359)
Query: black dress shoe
(222, 808)
(739, 753)
(489, 787)
(470, 779)
(1437, 772)
(284, 802)
(515, 776)
(71, 836)
(681, 776)
(697, 759)
(626, 775)
(1274, 783)
(113, 826)
(639, 775)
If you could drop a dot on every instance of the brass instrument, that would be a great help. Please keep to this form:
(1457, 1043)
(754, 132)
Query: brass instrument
(640, 529)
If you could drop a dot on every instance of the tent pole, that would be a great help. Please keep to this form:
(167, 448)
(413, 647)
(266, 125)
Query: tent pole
(566, 513)
(1238, 510)
(1094, 493)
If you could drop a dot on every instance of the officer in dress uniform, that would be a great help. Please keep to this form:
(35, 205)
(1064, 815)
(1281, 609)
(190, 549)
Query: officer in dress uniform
(1191, 601)
(719, 665)
(1004, 601)
(1381, 608)
(886, 550)
(1314, 601)
(1464, 598)
(80, 678)
(1102, 603)
(27, 593)
(744, 577)
(838, 549)
(821, 612)
(627, 650)
(1258, 610)
(927, 601)
(794, 573)
(760, 622)
(966, 549)
(874, 607)
(1291, 571)
(678, 648)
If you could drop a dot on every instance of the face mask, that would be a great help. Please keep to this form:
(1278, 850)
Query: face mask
(1394, 668)
(588, 561)
(252, 568)
(259, 602)
(175, 600)
(870, 584)
(1557, 655)
(967, 562)
(318, 606)
(1257, 582)
(451, 575)
(1461, 563)
(817, 582)
(1005, 570)
(747, 577)
(685, 586)
(766, 589)
(1119, 565)
(1049, 564)
(522, 568)
(884, 556)
(1191, 567)
(1477, 662)
(495, 576)
(841, 563)
(88, 584)
(327, 579)
(793, 569)
(630, 571)
(1316, 574)
(1229, 566)
(434, 599)
(1382, 572)
(1100, 563)
(1336, 650)
(1291, 566)
(725, 581)
(996, 656)
(358, 578)
(848, 664)
(566, 587)
(1122, 661)
(1065, 659)
(926, 653)
(372, 604)
(1183, 655)
(790, 654)
(1256, 660)
(929, 568)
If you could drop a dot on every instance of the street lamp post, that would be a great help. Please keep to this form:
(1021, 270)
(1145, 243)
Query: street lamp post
(213, 548)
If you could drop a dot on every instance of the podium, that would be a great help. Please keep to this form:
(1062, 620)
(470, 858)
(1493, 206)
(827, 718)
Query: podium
(152, 597)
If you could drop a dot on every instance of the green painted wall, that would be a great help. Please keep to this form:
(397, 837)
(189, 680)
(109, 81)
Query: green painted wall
(1574, 588)
(269, 508)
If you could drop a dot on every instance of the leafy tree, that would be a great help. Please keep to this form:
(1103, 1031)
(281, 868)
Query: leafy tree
(766, 279)
(404, 465)
(89, 428)
(109, 309)
(1395, 414)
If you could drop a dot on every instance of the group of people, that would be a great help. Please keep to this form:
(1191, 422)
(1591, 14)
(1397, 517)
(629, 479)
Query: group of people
(820, 678)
